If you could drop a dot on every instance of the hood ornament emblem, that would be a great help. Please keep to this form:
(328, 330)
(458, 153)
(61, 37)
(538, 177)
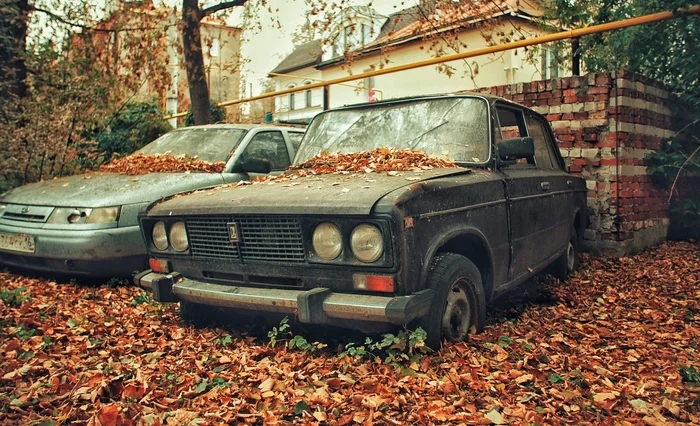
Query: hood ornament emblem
(24, 210)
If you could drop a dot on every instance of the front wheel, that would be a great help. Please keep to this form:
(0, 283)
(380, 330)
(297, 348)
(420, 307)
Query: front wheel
(459, 305)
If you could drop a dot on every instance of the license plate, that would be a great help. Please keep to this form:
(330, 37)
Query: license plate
(21, 242)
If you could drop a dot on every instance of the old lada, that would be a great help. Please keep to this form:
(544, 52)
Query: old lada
(372, 248)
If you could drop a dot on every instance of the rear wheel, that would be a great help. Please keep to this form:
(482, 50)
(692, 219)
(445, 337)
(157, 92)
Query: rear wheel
(459, 305)
(569, 260)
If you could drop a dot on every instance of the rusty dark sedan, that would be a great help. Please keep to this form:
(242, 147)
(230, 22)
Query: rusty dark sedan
(377, 250)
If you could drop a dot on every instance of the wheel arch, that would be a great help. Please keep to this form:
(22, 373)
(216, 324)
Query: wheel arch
(470, 243)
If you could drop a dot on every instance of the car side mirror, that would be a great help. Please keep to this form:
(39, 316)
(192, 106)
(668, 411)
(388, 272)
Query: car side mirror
(510, 150)
(253, 165)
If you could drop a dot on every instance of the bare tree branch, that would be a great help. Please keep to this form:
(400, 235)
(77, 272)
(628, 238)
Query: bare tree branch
(221, 6)
(63, 20)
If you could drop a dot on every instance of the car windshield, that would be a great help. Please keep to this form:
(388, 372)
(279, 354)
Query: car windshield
(208, 144)
(453, 127)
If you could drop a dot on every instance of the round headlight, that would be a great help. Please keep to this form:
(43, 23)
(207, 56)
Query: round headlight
(367, 243)
(327, 241)
(160, 238)
(178, 236)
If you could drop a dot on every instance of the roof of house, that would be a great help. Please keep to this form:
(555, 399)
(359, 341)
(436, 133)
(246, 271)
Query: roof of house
(303, 56)
(421, 23)
(415, 23)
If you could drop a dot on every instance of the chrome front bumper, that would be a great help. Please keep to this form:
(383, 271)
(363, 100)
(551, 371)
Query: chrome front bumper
(315, 306)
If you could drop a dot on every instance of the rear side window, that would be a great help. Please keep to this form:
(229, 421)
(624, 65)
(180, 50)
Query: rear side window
(539, 135)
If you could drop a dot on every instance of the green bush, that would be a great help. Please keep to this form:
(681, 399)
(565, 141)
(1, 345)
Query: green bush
(676, 165)
(131, 128)
(218, 115)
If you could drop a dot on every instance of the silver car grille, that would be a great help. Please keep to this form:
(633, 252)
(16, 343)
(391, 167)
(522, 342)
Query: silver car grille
(261, 238)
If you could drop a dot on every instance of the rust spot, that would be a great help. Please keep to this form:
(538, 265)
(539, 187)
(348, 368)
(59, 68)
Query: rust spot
(408, 223)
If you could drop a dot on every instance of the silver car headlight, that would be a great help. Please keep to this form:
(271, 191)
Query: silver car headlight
(2, 208)
(367, 243)
(327, 241)
(66, 215)
(178, 236)
(160, 237)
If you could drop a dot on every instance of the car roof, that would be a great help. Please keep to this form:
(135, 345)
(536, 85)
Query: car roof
(241, 126)
(466, 94)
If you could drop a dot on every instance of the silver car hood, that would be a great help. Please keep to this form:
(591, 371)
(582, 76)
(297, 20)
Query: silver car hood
(108, 189)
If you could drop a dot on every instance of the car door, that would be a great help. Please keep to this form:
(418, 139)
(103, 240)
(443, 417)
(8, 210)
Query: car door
(557, 184)
(532, 208)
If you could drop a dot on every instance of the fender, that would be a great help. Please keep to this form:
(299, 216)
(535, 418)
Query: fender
(450, 235)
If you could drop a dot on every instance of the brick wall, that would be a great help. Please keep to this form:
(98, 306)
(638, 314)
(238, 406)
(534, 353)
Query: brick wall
(605, 125)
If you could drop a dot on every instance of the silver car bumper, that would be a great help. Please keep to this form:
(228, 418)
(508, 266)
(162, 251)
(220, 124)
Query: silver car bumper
(315, 306)
(95, 252)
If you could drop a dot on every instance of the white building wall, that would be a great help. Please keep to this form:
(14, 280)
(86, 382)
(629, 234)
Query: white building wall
(512, 66)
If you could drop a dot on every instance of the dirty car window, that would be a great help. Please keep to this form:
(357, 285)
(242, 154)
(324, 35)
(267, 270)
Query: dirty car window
(207, 144)
(452, 127)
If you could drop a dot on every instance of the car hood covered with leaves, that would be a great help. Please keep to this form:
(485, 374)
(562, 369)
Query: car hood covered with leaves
(108, 189)
(354, 194)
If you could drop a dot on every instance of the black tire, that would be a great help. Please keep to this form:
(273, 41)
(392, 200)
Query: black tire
(195, 314)
(459, 305)
(568, 262)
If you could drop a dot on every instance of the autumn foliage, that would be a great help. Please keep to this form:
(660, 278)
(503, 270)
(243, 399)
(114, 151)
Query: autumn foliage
(615, 344)
(139, 164)
(377, 160)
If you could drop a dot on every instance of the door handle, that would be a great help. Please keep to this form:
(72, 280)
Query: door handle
(544, 186)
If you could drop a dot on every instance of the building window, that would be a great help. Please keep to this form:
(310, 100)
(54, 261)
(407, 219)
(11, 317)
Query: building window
(292, 104)
(307, 96)
(215, 50)
(549, 63)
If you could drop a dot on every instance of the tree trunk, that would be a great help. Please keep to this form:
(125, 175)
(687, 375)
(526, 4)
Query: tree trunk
(13, 38)
(194, 62)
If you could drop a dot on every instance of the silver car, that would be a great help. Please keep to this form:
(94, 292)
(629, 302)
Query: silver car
(86, 225)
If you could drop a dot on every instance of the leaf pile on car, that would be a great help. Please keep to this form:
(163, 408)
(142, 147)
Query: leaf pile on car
(618, 344)
(377, 160)
(139, 164)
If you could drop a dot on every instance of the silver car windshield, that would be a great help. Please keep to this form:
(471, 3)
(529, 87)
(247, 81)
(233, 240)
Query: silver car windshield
(208, 144)
(456, 128)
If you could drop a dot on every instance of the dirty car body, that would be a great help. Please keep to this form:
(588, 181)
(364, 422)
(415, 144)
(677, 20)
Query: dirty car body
(367, 251)
(86, 225)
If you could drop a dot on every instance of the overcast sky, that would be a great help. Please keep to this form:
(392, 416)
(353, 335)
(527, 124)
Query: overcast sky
(267, 48)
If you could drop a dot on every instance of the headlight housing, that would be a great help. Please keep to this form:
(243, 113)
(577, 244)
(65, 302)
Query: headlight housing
(327, 241)
(367, 243)
(178, 236)
(160, 237)
(69, 215)
(2, 208)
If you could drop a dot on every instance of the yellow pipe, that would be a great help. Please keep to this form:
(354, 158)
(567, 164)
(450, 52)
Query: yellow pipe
(563, 35)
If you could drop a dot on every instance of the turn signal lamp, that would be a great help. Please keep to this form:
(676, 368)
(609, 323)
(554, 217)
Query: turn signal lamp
(383, 283)
(159, 265)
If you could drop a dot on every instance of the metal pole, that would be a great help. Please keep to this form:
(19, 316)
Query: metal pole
(563, 35)
(326, 97)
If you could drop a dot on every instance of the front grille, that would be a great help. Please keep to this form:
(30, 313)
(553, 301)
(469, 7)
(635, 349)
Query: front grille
(24, 217)
(271, 238)
(261, 238)
(209, 238)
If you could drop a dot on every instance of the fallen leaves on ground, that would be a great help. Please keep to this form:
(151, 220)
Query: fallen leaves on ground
(615, 344)
(139, 164)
